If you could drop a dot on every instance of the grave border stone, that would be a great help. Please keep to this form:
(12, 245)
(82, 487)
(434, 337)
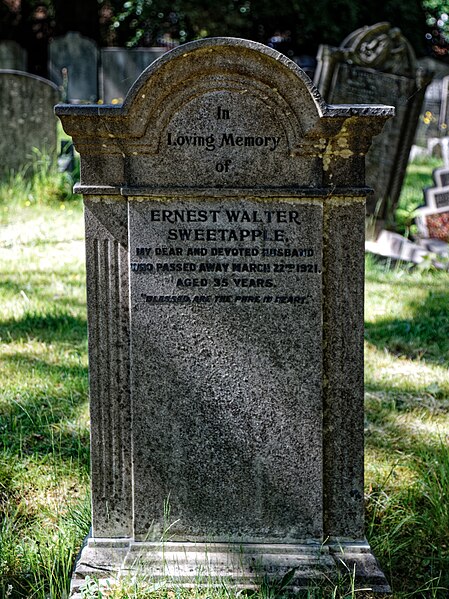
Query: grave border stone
(432, 195)
(441, 176)
(124, 161)
(421, 216)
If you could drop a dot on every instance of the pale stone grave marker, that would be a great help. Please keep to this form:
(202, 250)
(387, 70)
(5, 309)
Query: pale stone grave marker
(225, 336)
(73, 64)
(377, 64)
(27, 119)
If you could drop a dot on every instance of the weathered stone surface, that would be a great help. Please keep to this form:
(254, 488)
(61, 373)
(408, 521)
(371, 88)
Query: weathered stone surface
(238, 348)
(73, 64)
(26, 118)
(12, 56)
(239, 357)
(377, 64)
(108, 308)
(120, 67)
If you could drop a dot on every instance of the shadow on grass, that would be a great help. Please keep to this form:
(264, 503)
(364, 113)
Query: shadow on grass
(425, 336)
(408, 523)
(58, 326)
(40, 419)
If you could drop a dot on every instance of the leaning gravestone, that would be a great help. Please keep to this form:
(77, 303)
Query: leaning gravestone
(225, 206)
(377, 64)
(12, 56)
(120, 67)
(27, 119)
(73, 64)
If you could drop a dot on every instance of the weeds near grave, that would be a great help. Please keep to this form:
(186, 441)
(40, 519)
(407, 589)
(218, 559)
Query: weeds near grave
(37, 184)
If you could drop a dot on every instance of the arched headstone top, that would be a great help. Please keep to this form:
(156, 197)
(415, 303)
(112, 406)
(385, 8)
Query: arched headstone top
(32, 79)
(220, 101)
(223, 64)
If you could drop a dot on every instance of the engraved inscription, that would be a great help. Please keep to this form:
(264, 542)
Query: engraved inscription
(212, 142)
(231, 255)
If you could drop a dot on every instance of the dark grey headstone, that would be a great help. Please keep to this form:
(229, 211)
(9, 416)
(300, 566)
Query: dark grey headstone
(225, 218)
(73, 66)
(377, 64)
(120, 67)
(12, 56)
(27, 119)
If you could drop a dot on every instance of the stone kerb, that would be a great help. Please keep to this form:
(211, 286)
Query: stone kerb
(224, 240)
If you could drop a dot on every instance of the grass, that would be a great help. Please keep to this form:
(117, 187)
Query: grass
(419, 176)
(44, 461)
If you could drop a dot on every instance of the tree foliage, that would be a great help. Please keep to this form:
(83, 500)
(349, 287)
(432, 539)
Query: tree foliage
(293, 26)
(300, 25)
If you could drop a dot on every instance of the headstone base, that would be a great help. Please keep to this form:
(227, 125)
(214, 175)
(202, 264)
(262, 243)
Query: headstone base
(240, 566)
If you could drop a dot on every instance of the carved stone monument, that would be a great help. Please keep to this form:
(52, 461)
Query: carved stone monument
(27, 120)
(225, 207)
(377, 64)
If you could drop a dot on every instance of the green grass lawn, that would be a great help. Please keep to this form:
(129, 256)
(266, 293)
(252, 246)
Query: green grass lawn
(44, 461)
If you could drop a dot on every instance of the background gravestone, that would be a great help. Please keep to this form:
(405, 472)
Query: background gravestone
(12, 56)
(120, 67)
(27, 119)
(225, 338)
(73, 65)
(441, 176)
(377, 64)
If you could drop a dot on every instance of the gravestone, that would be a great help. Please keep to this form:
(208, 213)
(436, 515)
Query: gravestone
(73, 65)
(441, 176)
(437, 197)
(27, 119)
(377, 64)
(120, 67)
(225, 217)
(12, 56)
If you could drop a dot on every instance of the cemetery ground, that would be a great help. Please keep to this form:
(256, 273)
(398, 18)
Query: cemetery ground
(44, 455)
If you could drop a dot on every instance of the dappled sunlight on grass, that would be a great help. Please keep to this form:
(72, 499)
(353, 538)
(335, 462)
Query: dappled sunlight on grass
(44, 425)
(400, 375)
(406, 426)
